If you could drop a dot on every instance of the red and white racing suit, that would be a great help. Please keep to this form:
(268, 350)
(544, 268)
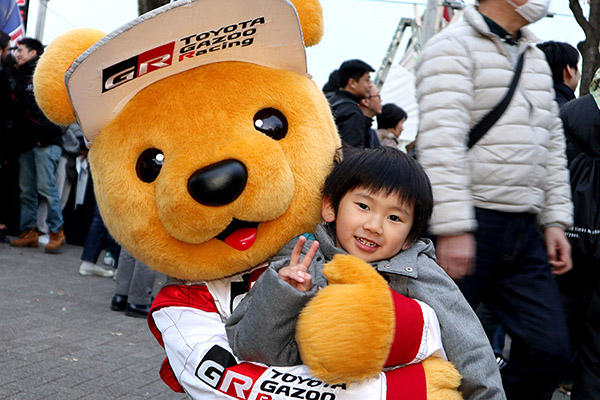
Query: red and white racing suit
(188, 320)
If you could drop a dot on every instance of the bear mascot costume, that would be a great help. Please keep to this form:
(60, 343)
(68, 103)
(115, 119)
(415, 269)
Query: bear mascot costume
(209, 144)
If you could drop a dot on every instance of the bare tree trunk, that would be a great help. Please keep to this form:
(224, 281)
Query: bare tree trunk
(146, 5)
(589, 48)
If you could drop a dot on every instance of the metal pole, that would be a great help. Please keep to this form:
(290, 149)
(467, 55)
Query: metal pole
(429, 21)
(384, 69)
(41, 20)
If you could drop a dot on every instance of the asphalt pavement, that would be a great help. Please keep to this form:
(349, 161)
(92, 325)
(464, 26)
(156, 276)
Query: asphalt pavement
(60, 340)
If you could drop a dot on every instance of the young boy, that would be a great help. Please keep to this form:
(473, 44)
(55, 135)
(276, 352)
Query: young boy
(376, 204)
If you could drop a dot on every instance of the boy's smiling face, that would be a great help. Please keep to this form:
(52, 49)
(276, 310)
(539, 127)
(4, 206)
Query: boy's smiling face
(371, 226)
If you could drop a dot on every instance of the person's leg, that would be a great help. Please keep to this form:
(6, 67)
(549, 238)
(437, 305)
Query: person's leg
(95, 239)
(141, 285)
(28, 233)
(94, 242)
(28, 187)
(527, 304)
(123, 278)
(576, 288)
(586, 382)
(140, 291)
(488, 256)
(46, 162)
(113, 248)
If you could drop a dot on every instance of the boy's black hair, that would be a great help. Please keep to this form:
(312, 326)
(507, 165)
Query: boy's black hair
(383, 169)
(354, 69)
(559, 55)
(390, 115)
(33, 44)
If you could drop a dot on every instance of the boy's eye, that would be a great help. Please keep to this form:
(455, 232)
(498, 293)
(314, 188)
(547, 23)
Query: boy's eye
(363, 206)
(395, 218)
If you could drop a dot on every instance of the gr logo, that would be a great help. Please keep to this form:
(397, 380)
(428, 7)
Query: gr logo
(134, 67)
(219, 370)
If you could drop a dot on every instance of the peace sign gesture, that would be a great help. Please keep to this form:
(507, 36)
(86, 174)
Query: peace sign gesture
(296, 272)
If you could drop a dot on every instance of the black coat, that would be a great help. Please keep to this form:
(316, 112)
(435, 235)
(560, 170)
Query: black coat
(8, 110)
(581, 120)
(563, 94)
(349, 119)
(34, 128)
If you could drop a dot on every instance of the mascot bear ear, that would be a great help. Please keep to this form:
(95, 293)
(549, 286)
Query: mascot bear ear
(311, 20)
(49, 78)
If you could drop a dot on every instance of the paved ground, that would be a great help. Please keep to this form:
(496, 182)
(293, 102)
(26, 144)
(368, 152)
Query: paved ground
(59, 339)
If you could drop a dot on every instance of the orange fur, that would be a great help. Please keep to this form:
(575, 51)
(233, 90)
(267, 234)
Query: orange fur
(311, 19)
(49, 82)
(351, 319)
(442, 379)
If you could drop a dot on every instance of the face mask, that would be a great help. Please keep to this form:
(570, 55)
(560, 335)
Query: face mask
(533, 10)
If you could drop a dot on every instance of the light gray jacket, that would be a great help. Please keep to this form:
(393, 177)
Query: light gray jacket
(262, 328)
(520, 164)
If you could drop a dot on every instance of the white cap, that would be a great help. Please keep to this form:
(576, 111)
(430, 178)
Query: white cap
(177, 37)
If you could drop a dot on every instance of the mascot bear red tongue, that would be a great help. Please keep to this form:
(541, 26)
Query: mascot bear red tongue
(191, 180)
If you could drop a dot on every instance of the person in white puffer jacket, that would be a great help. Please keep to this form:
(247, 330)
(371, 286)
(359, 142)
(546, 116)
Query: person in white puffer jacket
(493, 200)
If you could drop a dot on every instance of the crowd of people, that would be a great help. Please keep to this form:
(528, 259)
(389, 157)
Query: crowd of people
(508, 150)
(41, 166)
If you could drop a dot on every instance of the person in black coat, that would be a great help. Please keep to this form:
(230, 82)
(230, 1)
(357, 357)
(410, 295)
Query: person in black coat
(8, 151)
(353, 83)
(562, 59)
(40, 151)
(581, 286)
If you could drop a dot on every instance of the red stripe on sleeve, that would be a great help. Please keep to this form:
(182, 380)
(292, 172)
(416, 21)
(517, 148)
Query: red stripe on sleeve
(406, 383)
(195, 296)
(408, 332)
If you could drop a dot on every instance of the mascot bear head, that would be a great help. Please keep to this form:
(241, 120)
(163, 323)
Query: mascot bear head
(209, 142)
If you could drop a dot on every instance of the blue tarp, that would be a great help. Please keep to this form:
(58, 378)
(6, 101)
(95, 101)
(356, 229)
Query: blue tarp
(10, 20)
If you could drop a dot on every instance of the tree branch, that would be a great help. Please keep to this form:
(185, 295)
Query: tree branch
(580, 18)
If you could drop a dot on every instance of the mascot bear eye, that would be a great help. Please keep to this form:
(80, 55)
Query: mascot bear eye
(271, 122)
(149, 164)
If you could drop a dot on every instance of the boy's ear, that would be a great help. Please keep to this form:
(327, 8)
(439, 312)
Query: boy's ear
(327, 211)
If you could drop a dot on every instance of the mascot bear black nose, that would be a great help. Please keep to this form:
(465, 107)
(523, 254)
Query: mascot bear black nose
(219, 183)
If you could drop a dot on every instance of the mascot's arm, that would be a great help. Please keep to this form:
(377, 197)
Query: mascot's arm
(359, 318)
(196, 346)
(202, 363)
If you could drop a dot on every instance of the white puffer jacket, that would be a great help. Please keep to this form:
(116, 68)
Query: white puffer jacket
(520, 164)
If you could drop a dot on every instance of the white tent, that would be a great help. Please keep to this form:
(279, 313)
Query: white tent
(396, 79)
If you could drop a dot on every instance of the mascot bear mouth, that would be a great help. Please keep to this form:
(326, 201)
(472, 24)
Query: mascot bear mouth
(239, 234)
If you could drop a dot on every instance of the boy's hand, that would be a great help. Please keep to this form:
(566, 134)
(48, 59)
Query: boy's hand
(296, 273)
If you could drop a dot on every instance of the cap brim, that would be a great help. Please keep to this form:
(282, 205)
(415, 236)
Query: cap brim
(177, 37)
